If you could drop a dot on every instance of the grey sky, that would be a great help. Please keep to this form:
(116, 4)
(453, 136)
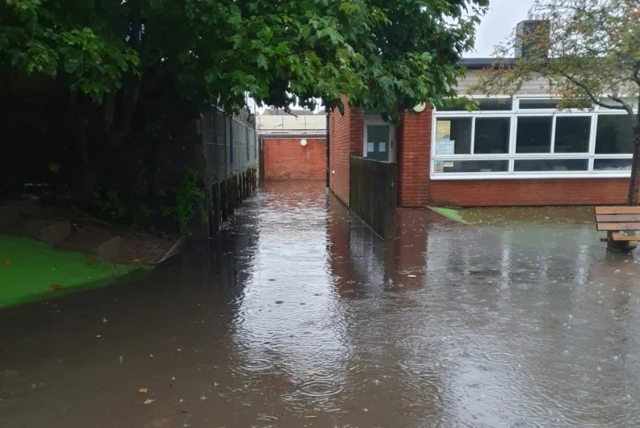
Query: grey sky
(498, 23)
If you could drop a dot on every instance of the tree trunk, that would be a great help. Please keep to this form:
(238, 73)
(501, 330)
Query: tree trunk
(634, 183)
(84, 177)
(118, 130)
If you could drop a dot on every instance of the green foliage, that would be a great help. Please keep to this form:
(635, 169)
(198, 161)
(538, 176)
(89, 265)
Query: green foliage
(54, 38)
(109, 205)
(188, 201)
(382, 54)
(132, 63)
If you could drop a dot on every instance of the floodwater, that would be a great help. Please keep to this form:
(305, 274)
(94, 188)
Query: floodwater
(299, 317)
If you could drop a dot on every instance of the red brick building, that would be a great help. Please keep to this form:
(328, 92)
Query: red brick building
(292, 145)
(517, 150)
(294, 158)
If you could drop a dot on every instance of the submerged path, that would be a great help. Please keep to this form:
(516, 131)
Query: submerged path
(298, 316)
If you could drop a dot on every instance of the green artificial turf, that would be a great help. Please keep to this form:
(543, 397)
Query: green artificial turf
(450, 214)
(30, 270)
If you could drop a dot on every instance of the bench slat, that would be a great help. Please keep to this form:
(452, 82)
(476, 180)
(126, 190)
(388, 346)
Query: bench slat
(618, 237)
(618, 226)
(617, 210)
(617, 218)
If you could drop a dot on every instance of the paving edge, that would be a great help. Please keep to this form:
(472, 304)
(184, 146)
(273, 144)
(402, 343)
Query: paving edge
(175, 249)
(449, 213)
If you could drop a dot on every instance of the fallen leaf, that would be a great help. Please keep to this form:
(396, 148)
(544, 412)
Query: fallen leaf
(56, 287)
(98, 336)
(7, 262)
(314, 373)
(143, 390)
(149, 401)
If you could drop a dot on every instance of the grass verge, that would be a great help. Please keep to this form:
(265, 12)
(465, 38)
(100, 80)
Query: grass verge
(30, 270)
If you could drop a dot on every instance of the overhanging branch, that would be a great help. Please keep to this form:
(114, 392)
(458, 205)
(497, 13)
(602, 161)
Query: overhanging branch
(594, 98)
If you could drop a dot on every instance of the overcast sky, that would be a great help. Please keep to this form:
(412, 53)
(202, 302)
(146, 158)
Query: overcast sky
(498, 23)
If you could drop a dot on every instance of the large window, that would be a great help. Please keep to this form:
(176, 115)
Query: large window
(534, 134)
(572, 134)
(492, 135)
(614, 135)
(469, 135)
(523, 137)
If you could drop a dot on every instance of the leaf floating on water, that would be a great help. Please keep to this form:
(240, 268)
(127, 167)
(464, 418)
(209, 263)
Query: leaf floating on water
(149, 401)
(56, 287)
(143, 390)
(314, 373)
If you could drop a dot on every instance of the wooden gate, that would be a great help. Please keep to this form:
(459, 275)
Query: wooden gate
(373, 194)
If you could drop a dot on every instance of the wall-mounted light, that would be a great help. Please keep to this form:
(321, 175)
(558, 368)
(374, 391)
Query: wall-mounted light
(420, 107)
(303, 142)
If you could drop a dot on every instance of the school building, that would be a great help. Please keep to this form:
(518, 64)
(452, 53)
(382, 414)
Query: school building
(518, 150)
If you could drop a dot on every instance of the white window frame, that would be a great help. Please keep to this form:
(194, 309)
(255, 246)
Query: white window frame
(512, 156)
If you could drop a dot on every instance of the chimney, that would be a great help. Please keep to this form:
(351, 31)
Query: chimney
(532, 38)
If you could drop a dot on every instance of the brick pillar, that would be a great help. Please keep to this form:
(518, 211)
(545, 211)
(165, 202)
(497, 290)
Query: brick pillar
(414, 152)
(346, 133)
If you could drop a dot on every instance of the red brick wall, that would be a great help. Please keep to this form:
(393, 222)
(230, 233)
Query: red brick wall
(346, 133)
(586, 191)
(286, 159)
(414, 152)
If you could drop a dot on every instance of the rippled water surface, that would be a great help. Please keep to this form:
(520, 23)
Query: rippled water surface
(297, 316)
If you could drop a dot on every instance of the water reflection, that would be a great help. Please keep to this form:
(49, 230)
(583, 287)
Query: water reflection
(297, 315)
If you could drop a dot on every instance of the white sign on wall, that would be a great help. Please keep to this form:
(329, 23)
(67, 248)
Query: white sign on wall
(445, 147)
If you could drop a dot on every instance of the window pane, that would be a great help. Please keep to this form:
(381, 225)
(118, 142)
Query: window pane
(615, 134)
(539, 104)
(459, 130)
(550, 104)
(471, 166)
(612, 164)
(495, 104)
(572, 134)
(452, 105)
(552, 165)
(492, 135)
(485, 104)
(534, 135)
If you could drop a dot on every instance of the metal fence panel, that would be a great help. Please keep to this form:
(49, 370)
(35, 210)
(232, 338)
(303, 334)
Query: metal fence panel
(230, 144)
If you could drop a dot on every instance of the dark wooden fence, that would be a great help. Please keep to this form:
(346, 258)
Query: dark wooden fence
(373, 193)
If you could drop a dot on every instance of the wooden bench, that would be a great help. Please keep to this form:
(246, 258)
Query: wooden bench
(616, 221)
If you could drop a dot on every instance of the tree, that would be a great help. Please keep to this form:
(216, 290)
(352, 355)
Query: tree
(413, 56)
(587, 51)
(381, 54)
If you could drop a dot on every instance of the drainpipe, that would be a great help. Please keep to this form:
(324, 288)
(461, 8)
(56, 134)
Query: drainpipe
(328, 139)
